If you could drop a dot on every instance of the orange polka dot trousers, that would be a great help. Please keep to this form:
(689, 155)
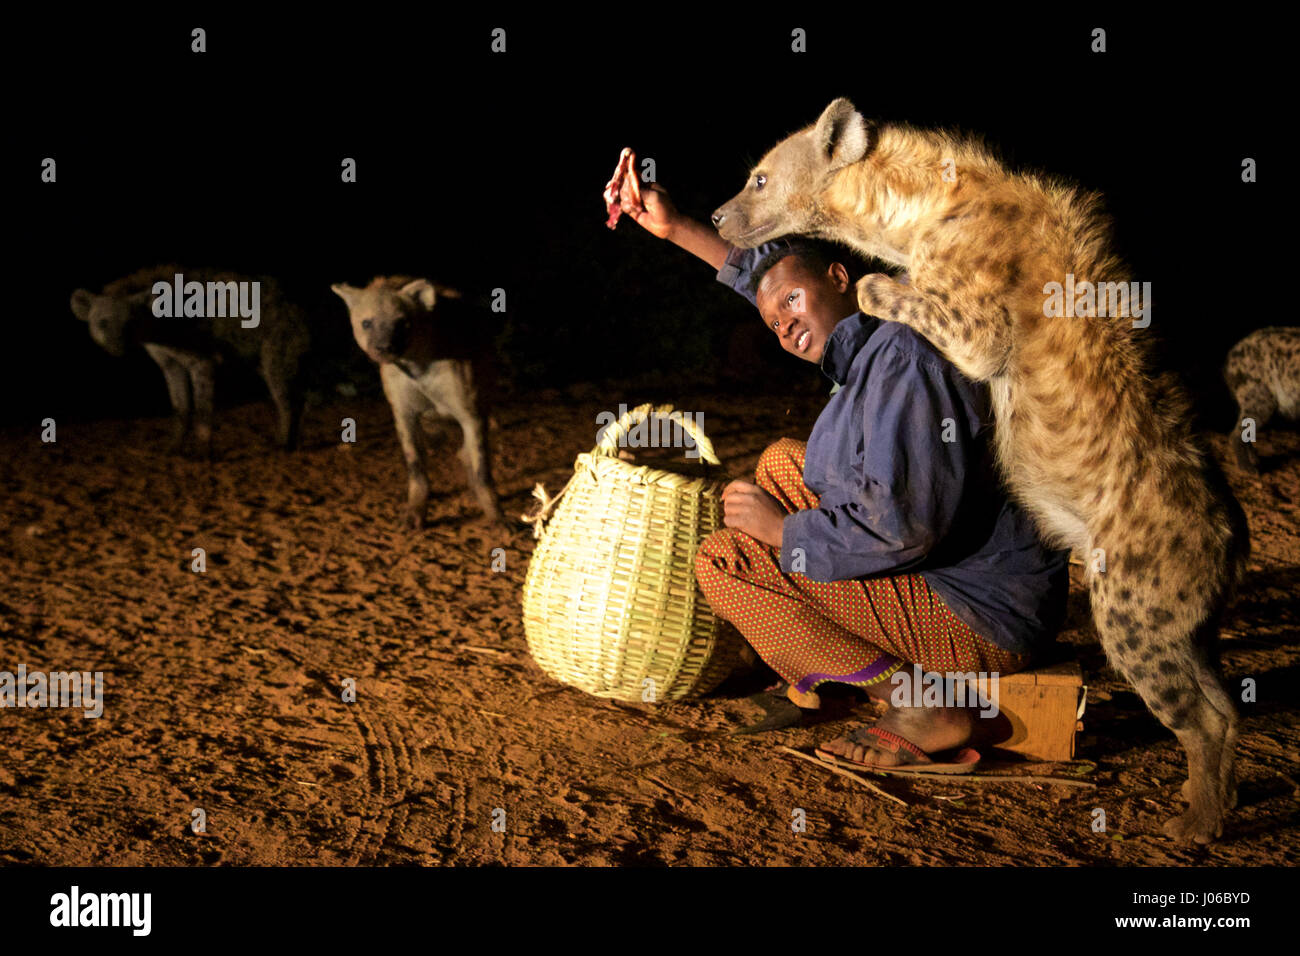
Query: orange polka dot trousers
(850, 632)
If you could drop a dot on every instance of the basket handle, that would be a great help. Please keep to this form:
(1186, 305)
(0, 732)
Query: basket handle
(613, 433)
(608, 447)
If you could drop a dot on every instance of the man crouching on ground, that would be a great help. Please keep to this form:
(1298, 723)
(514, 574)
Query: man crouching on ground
(885, 544)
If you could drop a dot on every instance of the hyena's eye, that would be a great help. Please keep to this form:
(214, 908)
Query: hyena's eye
(760, 181)
(366, 323)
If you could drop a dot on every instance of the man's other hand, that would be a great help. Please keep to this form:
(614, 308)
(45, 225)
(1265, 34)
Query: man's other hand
(750, 509)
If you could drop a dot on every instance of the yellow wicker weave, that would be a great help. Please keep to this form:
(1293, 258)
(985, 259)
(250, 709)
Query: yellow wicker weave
(610, 600)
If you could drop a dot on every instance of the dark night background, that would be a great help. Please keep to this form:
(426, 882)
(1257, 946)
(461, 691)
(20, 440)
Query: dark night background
(485, 171)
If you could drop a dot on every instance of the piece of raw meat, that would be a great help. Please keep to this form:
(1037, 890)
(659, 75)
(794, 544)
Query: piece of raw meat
(614, 188)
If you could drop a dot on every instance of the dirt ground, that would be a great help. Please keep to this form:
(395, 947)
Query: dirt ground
(223, 688)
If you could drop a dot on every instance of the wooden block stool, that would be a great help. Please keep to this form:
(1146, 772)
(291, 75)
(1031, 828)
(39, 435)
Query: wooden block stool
(1044, 707)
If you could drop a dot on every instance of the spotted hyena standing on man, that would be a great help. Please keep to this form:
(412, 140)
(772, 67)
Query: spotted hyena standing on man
(1095, 444)
(425, 339)
(1263, 371)
(188, 349)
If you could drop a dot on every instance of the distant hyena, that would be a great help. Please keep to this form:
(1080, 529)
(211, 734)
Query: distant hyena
(189, 349)
(421, 334)
(1263, 371)
(1093, 443)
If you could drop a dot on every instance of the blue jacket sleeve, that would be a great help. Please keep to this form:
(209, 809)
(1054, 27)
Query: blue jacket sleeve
(736, 271)
(915, 450)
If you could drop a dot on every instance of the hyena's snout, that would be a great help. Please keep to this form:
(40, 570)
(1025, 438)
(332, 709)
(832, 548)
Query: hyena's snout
(112, 341)
(388, 339)
(724, 219)
(735, 222)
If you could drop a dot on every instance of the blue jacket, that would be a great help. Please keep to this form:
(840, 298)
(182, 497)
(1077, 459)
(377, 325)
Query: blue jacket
(902, 461)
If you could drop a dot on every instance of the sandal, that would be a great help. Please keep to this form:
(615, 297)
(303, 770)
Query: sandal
(915, 761)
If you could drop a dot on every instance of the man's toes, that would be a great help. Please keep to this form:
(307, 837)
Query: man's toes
(847, 749)
(869, 754)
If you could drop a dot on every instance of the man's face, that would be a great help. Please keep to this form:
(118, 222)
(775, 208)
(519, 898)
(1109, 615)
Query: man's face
(802, 304)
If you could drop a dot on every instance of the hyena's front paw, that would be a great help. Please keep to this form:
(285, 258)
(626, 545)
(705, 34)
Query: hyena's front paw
(877, 295)
(203, 442)
(487, 501)
(179, 438)
(413, 517)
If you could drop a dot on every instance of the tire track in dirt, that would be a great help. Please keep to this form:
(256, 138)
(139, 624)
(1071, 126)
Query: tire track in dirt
(391, 780)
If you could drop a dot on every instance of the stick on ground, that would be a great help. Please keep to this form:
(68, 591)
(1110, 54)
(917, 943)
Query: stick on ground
(843, 773)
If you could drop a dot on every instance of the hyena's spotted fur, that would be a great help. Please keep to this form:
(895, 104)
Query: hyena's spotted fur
(1263, 371)
(1092, 441)
(188, 350)
(424, 338)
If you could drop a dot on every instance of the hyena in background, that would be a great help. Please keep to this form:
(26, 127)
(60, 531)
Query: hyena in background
(189, 349)
(1092, 442)
(1263, 371)
(424, 338)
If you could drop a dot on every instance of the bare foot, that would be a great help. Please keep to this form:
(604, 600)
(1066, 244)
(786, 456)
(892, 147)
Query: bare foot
(933, 729)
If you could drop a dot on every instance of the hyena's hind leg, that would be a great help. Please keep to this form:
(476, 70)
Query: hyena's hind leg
(1168, 665)
(177, 377)
(974, 333)
(457, 398)
(283, 380)
(476, 457)
(1222, 701)
(1211, 726)
(203, 380)
(1255, 401)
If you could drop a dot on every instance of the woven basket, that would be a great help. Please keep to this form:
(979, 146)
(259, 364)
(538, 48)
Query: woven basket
(610, 600)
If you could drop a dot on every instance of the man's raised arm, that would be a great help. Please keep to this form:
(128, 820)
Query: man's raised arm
(657, 215)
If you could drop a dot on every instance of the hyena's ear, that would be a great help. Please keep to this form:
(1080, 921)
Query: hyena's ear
(422, 292)
(344, 292)
(139, 300)
(841, 134)
(81, 300)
